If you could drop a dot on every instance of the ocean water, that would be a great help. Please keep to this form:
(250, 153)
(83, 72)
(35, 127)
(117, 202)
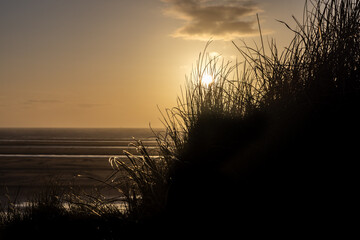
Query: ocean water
(110, 134)
(31, 157)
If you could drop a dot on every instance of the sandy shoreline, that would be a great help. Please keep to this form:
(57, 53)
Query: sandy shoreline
(31, 174)
(69, 150)
(23, 178)
(30, 159)
(52, 142)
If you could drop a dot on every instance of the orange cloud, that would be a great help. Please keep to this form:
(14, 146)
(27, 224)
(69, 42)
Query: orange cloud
(205, 19)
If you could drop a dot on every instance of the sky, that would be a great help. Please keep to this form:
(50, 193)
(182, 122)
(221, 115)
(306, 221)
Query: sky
(114, 63)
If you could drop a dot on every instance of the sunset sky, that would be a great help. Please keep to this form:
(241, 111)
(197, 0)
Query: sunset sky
(110, 63)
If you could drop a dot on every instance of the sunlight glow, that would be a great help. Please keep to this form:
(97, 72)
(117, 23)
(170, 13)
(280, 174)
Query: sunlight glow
(207, 79)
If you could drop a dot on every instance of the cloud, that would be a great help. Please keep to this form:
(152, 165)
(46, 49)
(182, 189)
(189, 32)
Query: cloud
(41, 101)
(205, 19)
(91, 105)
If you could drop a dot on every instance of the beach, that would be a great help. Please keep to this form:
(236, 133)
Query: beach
(32, 158)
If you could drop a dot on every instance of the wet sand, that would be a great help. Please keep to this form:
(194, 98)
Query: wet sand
(28, 165)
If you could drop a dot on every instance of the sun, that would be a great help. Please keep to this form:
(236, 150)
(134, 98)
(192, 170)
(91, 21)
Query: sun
(207, 79)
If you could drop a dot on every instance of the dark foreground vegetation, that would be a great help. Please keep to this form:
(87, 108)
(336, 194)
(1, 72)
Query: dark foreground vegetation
(270, 147)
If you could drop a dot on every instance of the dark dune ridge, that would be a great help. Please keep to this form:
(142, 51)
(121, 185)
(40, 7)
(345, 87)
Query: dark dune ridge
(285, 171)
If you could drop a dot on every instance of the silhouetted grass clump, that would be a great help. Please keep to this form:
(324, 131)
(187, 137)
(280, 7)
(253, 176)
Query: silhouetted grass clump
(143, 180)
(274, 144)
(60, 212)
(270, 144)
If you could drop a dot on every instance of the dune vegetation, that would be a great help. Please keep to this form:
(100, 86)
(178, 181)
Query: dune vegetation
(270, 143)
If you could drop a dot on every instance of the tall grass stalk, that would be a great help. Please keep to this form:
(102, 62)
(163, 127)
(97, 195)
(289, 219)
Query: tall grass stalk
(321, 60)
(143, 179)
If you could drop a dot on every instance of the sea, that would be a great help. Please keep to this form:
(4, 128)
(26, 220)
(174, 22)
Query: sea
(32, 158)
